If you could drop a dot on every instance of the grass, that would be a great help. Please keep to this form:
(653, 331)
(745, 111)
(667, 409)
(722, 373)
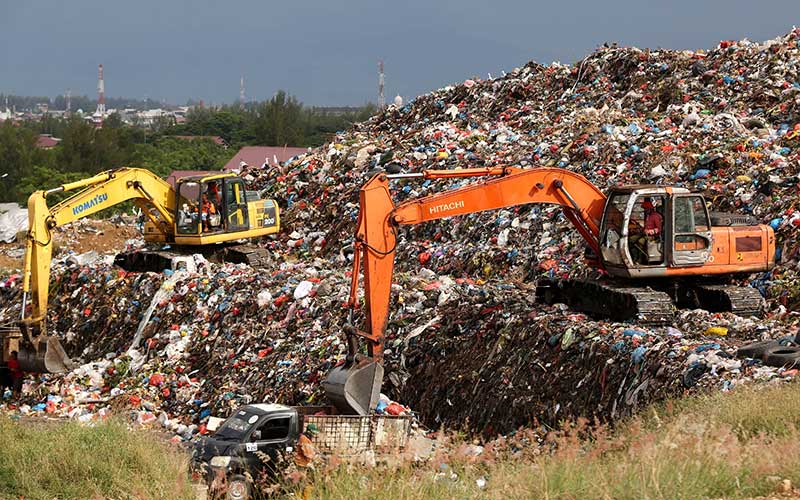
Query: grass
(69, 461)
(734, 445)
(718, 446)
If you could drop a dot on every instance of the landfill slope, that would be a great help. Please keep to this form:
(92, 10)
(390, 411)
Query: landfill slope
(724, 122)
(466, 344)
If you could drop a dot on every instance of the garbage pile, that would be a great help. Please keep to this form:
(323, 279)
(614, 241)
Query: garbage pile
(497, 362)
(466, 344)
(237, 334)
(88, 238)
(724, 122)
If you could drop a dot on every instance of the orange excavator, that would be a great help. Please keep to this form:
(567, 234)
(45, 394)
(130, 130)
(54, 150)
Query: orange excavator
(655, 247)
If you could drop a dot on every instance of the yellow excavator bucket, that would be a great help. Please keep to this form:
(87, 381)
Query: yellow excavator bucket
(354, 389)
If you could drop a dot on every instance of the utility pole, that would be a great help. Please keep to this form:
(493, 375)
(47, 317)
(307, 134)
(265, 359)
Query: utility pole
(241, 93)
(381, 95)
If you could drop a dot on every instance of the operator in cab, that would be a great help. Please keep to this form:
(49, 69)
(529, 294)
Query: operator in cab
(208, 209)
(646, 233)
(216, 196)
(653, 220)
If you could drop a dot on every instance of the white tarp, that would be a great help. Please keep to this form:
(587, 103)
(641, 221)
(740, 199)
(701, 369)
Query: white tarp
(13, 219)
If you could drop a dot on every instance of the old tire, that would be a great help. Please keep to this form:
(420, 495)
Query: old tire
(756, 349)
(780, 356)
(239, 488)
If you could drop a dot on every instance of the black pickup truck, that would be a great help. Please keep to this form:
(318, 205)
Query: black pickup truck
(257, 440)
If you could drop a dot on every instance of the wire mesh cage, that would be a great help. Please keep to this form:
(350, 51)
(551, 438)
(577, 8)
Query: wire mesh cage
(352, 434)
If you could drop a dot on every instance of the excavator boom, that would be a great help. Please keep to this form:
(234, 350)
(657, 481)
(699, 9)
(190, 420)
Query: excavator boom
(37, 351)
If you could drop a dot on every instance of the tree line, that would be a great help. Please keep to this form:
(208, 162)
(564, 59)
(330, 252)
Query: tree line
(85, 150)
(280, 121)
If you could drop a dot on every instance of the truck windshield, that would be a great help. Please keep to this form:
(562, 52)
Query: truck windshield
(237, 426)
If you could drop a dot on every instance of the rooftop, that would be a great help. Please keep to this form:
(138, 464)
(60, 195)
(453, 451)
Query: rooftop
(259, 156)
(46, 141)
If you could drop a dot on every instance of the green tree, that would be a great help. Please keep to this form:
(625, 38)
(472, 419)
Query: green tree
(168, 154)
(279, 121)
(86, 149)
(45, 177)
(76, 150)
(17, 145)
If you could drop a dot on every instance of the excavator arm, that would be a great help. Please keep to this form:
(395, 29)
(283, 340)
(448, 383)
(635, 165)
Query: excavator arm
(354, 387)
(106, 189)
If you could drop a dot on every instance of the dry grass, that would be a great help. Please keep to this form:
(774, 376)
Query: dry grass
(719, 446)
(70, 461)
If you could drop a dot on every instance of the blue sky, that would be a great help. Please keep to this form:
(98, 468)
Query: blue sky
(326, 53)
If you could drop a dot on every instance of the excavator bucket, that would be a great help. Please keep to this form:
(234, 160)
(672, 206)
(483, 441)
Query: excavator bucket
(49, 357)
(44, 355)
(354, 390)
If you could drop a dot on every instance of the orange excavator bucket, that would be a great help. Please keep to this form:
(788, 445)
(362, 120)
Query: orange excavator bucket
(354, 388)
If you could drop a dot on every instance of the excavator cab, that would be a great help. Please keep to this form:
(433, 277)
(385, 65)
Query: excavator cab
(647, 230)
(209, 208)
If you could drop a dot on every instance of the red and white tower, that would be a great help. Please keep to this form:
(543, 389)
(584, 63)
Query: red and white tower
(101, 92)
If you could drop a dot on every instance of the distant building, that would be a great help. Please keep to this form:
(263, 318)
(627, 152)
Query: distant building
(46, 141)
(259, 156)
(149, 117)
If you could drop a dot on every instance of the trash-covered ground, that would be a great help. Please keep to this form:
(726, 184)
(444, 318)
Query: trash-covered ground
(193, 346)
(79, 237)
(467, 345)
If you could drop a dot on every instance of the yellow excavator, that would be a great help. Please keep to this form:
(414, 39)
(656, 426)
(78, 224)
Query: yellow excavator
(198, 214)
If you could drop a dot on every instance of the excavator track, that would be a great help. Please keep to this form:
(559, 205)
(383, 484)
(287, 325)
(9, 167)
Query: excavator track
(152, 260)
(622, 302)
(608, 300)
(740, 300)
(144, 260)
(252, 255)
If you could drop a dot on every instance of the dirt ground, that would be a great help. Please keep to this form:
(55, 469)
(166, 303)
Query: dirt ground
(102, 236)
